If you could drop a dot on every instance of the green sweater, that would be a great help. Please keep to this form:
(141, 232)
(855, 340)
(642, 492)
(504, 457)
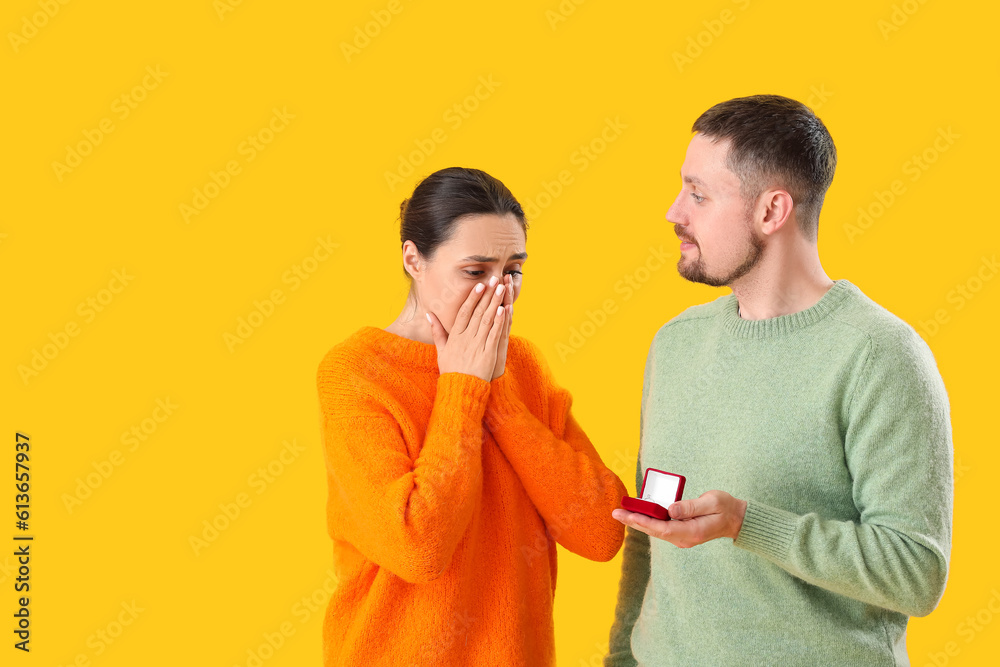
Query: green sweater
(833, 424)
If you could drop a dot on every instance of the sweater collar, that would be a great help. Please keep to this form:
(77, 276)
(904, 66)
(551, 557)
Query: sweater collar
(404, 350)
(783, 324)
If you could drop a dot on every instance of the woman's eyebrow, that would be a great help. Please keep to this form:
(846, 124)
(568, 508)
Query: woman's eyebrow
(485, 260)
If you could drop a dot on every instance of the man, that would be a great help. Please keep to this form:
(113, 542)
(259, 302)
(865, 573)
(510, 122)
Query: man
(811, 423)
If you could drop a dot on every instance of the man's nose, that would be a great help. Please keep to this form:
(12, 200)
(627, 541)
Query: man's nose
(674, 213)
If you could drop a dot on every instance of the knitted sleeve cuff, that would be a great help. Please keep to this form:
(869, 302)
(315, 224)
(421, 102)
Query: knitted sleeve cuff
(767, 530)
(503, 402)
(460, 393)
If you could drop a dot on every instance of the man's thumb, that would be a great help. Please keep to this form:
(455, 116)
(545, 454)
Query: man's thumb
(680, 509)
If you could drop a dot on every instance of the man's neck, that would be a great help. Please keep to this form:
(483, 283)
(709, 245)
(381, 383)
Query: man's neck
(773, 289)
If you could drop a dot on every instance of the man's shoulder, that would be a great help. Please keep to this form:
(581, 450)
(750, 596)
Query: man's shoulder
(693, 317)
(890, 349)
(893, 357)
(858, 319)
(884, 330)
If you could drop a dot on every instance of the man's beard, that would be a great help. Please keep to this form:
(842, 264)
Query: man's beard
(695, 270)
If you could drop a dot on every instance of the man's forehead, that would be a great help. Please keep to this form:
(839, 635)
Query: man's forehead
(705, 164)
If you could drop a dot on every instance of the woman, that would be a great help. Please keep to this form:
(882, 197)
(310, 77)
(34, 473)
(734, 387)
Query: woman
(453, 461)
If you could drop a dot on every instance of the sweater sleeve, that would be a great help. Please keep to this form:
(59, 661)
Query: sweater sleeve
(635, 561)
(563, 474)
(898, 449)
(406, 515)
(631, 591)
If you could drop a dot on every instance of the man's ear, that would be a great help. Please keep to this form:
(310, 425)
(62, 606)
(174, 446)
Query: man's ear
(774, 209)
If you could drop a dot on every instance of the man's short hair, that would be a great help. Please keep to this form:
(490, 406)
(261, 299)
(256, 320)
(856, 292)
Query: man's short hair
(775, 141)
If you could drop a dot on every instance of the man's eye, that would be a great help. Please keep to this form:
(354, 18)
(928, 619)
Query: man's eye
(698, 198)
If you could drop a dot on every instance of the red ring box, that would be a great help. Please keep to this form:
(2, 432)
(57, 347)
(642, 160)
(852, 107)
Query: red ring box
(656, 494)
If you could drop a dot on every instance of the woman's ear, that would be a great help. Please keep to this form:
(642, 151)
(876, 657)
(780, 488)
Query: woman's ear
(412, 262)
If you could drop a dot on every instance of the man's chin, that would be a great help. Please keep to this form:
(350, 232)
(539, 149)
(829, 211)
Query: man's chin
(689, 269)
(693, 272)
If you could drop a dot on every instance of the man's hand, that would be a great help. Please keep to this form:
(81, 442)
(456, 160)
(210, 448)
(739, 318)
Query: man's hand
(711, 515)
(508, 303)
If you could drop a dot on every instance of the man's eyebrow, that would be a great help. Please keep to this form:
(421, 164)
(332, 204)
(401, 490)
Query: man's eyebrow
(694, 180)
(485, 260)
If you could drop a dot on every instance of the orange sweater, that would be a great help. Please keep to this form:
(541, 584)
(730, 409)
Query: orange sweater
(447, 495)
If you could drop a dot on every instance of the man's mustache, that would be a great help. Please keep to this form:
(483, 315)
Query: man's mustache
(683, 238)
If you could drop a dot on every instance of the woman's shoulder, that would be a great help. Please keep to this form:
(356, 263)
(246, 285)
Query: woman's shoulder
(522, 347)
(528, 360)
(351, 361)
(533, 380)
(348, 349)
(350, 376)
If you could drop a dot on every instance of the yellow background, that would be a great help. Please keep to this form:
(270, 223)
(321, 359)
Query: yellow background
(884, 94)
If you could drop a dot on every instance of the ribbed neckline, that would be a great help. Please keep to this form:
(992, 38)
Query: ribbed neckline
(783, 324)
(410, 352)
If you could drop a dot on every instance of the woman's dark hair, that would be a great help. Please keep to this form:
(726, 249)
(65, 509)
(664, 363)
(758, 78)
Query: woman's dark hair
(428, 216)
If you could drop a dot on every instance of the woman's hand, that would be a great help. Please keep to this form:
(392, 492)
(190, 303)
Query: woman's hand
(471, 347)
(508, 304)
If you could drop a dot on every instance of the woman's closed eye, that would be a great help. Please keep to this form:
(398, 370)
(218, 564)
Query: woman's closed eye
(477, 273)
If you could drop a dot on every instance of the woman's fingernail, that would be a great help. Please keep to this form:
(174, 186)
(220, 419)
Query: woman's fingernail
(428, 317)
(499, 289)
(493, 281)
(499, 311)
(479, 287)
